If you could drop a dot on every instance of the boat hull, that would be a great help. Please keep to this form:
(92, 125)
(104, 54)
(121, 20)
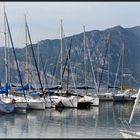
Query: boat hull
(93, 100)
(37, 103)
(20, 103)
(105, 97)
(6, 105)
(67, 102)
(122, 98)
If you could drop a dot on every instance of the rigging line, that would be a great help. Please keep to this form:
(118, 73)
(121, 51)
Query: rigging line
(46, 81)
(6, 59)
(26, 52)
(96, 53)
(109, 56)
(34, 57)
(55, 70)
(66, 62)
(14, 50)
(93, 73)
(122, 61)
(62, 36)
(103, 66)
(84, 43)
(70, 65)
(122, 66)
(45, 67)
(30, 62)
(117, 69)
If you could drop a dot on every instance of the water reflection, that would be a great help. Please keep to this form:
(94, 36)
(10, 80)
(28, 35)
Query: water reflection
(96, 122)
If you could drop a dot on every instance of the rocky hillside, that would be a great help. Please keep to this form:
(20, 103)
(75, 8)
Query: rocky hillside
(102, 48)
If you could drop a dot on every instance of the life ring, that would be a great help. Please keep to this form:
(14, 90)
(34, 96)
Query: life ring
(13, 101)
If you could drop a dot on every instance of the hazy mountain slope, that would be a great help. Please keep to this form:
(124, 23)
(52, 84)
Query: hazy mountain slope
(96, 42)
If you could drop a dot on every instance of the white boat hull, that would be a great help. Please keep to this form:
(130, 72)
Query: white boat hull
(20, 103)
(94, 100)
(35, 103)
(68, 102)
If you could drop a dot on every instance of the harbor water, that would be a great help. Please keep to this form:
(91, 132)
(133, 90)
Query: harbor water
(103, 121)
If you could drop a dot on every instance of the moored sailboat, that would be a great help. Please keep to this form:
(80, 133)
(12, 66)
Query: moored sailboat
(65, 98)
(35, 102)
(19, 74)
(86, 100)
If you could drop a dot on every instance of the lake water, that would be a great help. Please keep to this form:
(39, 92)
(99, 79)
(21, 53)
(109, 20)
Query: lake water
(97, 122)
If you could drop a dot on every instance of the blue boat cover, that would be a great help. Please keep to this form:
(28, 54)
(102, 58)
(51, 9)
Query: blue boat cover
(20, 88)
(4, 89)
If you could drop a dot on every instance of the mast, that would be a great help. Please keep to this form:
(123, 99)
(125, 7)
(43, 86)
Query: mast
(26, 67)
(5, 42)
(61, 51)
(89, 56)
(84, 55)
(34, 58)
(103, 64)
(44, 73)
(8, 58)
(19, 74)
(108, 65)
(122, 67)
(93, 74)
(69, 64)
(118, 66)
(38, 55)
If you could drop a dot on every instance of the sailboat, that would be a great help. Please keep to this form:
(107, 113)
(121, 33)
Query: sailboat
(128, 133)
(36, 99)
(66, 99)
(8, 102)
(20, 101)
(85, 101)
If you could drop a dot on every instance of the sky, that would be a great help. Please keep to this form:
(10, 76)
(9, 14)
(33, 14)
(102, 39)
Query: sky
(44, 18)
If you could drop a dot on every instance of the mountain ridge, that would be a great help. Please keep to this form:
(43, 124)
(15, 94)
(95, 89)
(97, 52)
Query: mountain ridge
(96, 41)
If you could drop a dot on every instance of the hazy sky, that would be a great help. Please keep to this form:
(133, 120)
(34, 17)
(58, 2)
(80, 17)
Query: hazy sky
(44, 18)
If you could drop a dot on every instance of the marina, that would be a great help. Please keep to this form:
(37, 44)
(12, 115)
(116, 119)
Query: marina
(84, 85)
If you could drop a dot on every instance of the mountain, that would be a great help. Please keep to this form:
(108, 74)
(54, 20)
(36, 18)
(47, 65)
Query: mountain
(135, 30)
(96, 48)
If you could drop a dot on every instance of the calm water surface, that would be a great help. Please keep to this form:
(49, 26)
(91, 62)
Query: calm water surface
(97, 122)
